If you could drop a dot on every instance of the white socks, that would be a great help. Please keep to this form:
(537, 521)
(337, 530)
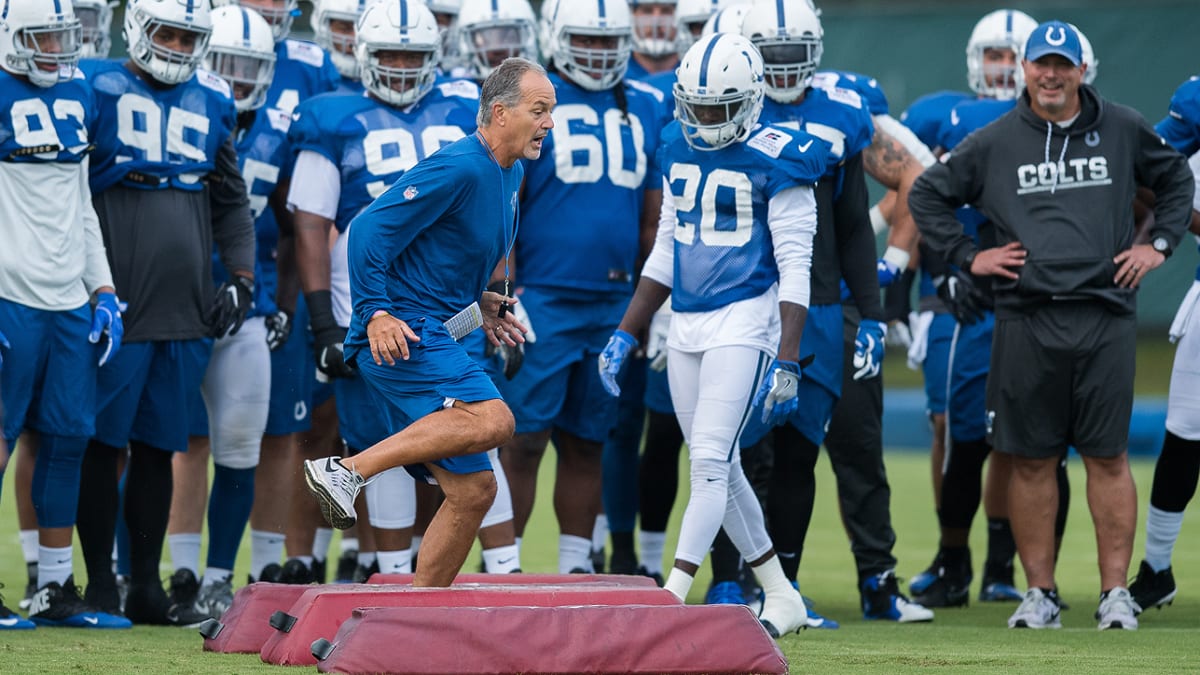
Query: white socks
(502, 559)
(1162, 529)
(652, 545)
(679, 583)
(29, 545)
(265, 548)
(54, 564)
(771, 576)
(320, 549)
(395, 562)
(574, 553)
(185, 551)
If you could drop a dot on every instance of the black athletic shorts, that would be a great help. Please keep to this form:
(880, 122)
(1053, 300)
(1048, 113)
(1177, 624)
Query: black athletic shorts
(1062, 376)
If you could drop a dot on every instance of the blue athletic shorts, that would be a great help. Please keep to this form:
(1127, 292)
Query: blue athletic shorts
(48, 380)
(360, 421)
(937, 362)
(143, 393)
(293, 368)
(969, 362)
(811, 418)
(438, 372)
(559, 385)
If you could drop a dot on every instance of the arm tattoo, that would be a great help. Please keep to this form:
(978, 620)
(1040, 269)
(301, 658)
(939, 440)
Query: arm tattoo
(886, 160)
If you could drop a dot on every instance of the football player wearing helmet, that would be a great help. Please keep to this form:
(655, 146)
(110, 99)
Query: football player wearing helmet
(95, 17)
(229, 413)
(574, 282)
(653, 38)
(164, 153)
(490, 31)
(737, 273)
(446, 13)
(59, 313)
(1177, 470)
(849, 353)
(302, 68)
(351, 148)
(333, 24)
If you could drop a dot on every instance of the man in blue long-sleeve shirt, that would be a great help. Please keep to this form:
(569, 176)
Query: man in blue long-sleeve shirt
(418, 255)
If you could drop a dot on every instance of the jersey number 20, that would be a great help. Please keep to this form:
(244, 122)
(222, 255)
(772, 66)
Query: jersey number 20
(736, 227)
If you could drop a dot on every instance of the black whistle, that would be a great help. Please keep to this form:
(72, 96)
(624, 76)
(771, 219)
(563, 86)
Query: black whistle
(503, 309)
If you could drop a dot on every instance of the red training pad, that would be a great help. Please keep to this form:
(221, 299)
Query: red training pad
(622, 639)
(246, 625)
(321, 610)
(618, 579)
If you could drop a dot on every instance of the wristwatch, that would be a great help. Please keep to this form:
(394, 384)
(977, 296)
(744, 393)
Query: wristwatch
(968, 261)
(1161, 245)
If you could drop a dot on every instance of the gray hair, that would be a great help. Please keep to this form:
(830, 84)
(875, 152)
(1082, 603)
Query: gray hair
(503, 86)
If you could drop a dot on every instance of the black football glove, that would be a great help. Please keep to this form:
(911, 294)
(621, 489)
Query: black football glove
(513, 357)
(279, 329)
(230, 305)
(962, 296)
(327, 336)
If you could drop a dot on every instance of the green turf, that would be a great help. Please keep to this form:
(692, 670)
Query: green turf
(960, 640)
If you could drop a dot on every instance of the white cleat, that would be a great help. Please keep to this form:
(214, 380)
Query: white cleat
(1037, 610)
(335, 487)
(1118, 610)
(783, 613)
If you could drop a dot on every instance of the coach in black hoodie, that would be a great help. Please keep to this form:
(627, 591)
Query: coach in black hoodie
(1056, 176)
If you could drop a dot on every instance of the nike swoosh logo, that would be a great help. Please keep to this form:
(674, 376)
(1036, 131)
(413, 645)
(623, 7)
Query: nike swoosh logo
(62, 562)
(10, 621)
(505, 561)
(329, 461)
(92, 620)
(805, 146)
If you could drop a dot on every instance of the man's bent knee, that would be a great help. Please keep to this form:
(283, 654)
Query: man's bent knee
(471, 492)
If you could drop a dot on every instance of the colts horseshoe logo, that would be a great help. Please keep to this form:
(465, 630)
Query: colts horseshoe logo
(1062, 35)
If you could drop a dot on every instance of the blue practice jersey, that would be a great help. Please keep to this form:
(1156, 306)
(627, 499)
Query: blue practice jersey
(46, 124)
(665, 82)
(265, 160)
(582, 209)
(1181, 126)
(428, 245)
(926, 114)
(373, 143)
(157, 139)
(636, 71)
(969, 116)
(723, 248)
(351, 86)
(837, 116)
(302, 70)
(866, 86)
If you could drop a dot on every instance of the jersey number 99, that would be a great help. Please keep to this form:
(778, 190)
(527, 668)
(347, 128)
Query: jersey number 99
(388, 153)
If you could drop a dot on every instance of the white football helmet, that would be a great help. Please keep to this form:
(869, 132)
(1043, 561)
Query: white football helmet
(278, 13)
(339, 45)
(1001, 29)
(242, 52)
(653, 33)
(1089, 56)
(39, 39)
(593, 68)
(490, 31)
(545, 28)
(95, 16)
(446, 13)
(788, 33)
(690, 17)
(143, 20)
(719, 91)
(727, 19)
(398, 26)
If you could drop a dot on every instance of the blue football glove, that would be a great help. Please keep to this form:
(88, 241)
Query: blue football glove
(868, 349)
(888, 272)
(4, 344)
(779, 392)
(613, 357)
(106, 321)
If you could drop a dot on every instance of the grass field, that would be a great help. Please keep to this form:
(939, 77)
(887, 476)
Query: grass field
(974, 639)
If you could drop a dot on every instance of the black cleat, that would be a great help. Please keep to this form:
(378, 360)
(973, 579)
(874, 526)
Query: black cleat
(1152, 589)
(347, 563)
(295, 572)
(656, 576)
(183, 587)
(363, 572)
(149, 604)
(318, 571)
(272, 573)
